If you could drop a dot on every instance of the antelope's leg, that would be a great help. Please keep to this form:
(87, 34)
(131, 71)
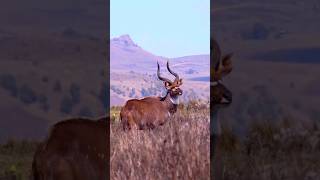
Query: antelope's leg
(131, 122)
(124, 122)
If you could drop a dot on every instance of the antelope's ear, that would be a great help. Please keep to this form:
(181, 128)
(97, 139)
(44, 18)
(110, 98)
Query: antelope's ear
(227, 64)
(180, 82)
(227, 59)
(167, 85)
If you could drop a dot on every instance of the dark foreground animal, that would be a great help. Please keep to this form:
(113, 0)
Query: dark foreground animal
(220, 97)
(76, 149)
(149, 112)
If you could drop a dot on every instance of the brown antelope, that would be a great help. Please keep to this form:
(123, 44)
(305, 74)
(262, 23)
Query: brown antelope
(150, 112)
(76, 149)
(220, 97)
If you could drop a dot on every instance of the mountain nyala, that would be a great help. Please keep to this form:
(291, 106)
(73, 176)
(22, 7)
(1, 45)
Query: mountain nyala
(220, 97)
(76, 149)
(149, 112)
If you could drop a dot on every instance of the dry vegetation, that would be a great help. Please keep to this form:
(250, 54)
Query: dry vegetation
(272, 151)
(177, 150)
(180, 150)
(16, 158)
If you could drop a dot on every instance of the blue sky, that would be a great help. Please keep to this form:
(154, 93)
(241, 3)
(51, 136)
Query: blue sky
(170, 28)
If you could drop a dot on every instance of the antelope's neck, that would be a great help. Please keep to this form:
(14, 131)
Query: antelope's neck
(171, 103)
(215, 127)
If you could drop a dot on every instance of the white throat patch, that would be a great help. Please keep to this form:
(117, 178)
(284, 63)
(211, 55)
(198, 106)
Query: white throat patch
(214, 83)
(174, 100)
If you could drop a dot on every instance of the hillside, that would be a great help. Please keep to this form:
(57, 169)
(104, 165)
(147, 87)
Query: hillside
(133, 72)
(276, 60)
(41, 82)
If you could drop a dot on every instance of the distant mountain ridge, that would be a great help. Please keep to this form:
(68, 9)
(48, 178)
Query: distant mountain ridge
(133, 72)
(125, 54)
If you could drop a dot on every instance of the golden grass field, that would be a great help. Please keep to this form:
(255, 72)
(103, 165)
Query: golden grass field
(179, 149)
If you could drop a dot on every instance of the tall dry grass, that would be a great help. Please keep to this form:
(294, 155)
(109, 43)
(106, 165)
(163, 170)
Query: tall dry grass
(180, 149)
(271, 150)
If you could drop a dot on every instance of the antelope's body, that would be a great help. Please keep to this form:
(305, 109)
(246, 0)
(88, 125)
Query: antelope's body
(146, 113)
(77, 149)
(150, 112)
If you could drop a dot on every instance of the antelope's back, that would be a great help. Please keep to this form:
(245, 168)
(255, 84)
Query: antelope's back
(141, 104)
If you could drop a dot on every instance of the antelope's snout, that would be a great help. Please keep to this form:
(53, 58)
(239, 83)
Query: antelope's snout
(220, 94)
(176, 92)
(227, 96)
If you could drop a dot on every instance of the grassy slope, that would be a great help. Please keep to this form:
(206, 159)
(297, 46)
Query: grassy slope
(177, 150)
(271, 151)
(180, 149)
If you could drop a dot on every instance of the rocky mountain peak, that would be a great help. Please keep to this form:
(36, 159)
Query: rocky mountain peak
(124, 40)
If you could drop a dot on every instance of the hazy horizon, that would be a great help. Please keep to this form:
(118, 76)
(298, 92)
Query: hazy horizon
(160, 55)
